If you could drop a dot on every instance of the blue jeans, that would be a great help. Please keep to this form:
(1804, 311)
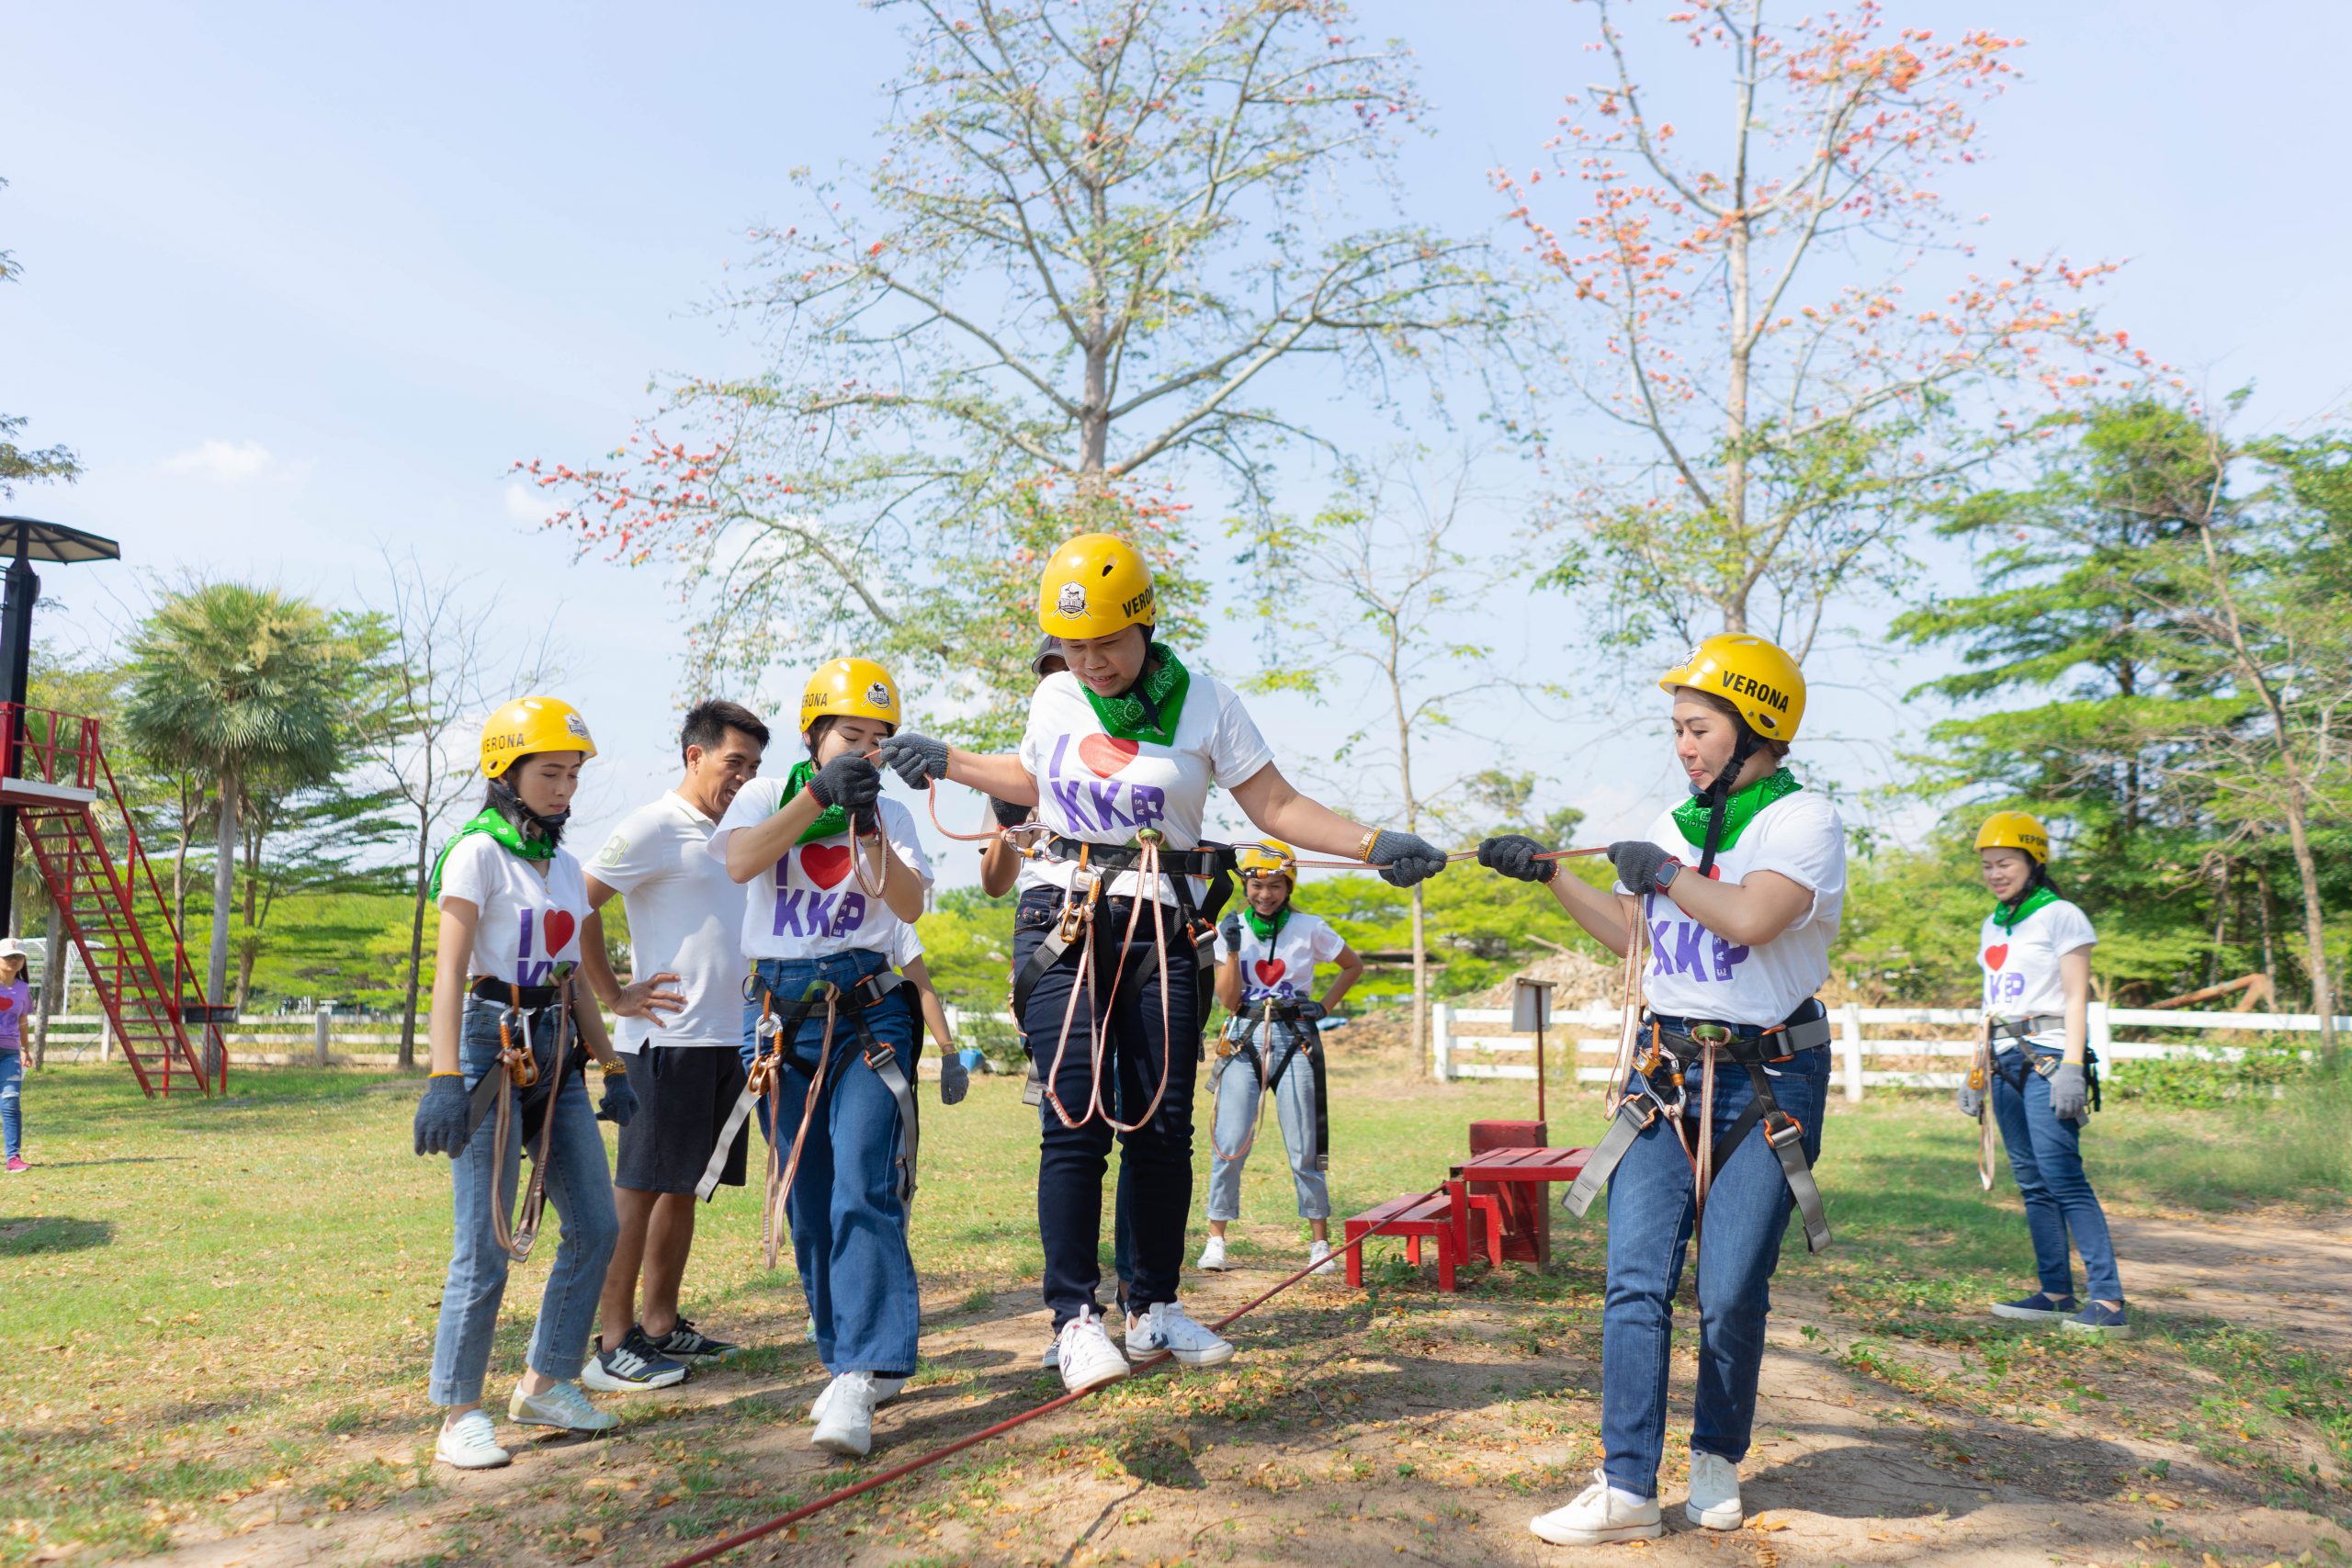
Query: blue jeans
(1238, 1094)
(12, 1090)
(1156, 1160)
(580, 1189)
(1650, 1214)
(849, 1227)
(2046, 1158)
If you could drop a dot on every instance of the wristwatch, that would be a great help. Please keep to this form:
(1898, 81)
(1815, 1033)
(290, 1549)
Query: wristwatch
(1665, 873)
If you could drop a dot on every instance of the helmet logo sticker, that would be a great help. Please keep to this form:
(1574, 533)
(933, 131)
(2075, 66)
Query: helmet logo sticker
(1073, 599)
(877, 694)
(575, 725)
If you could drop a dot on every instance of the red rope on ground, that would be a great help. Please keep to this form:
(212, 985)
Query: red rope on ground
(782, 1521)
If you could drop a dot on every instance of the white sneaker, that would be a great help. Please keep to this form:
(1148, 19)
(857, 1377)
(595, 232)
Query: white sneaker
(1319, 1254)
(1086, 1356)
(885, 1391)
(1213, 1256)
(1599, 1514)
(470, 1443)
(847, 1425)
(1715, 1492)
(1168, 1326)
(564, 1406)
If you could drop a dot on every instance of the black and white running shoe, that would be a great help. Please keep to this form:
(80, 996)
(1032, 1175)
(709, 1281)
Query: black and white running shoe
(687, 1342)
(631, 1367)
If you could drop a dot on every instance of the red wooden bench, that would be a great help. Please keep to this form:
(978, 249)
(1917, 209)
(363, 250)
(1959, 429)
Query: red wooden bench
(1411, 1219)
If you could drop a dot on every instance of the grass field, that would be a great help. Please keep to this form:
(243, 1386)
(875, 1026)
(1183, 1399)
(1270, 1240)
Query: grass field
(217, 1318)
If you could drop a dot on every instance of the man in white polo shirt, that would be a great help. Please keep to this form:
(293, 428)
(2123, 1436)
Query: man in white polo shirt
(681, 1021)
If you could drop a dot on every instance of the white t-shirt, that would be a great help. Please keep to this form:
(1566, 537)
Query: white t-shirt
(809, 904)
(1100, 790)
(528, 930)
(2020, 966)
(685, 918)
(1283, 968)
(1695, 973)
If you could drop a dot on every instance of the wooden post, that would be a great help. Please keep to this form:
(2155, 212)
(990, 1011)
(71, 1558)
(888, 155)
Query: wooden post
(325, 1022)
(1441, 1041)
(1849, 1050)
(2102, 1037)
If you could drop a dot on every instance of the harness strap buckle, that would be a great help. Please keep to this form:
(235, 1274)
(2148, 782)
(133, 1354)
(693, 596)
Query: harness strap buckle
(1780, 1129)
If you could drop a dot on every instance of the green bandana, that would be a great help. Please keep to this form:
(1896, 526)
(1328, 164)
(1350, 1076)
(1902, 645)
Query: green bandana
(1692, 815)
(509, 837)
(1264, 928)
(829, 821)
(1149, 711)
(2008, 919)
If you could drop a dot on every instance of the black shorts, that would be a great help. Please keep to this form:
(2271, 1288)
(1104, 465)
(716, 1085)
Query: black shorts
(684, 1095)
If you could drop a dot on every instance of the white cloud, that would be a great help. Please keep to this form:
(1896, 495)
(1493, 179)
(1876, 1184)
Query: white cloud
(526, 506)
(228, 462)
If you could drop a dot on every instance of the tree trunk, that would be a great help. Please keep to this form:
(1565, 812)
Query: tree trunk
(2314, 931)
(224, 906)
(179, 862)
(2262, 909)
(415, 942)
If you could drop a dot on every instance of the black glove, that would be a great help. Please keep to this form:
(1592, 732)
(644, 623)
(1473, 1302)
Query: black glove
(1514, 854)
(619, 1102)
(955, 1078)
(1009, 813)
(1970, 1101)
(441, 1116)
(1312, 1013)
(848, 780)
(2070, 1092)
(1637, 861)
(918, 759)
(1404, 858)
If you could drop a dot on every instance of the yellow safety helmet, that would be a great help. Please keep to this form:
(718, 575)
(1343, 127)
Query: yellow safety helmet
(1094, 585)
(1272, 858)
(529, 724)
(2015, 830)
(850, 688)
(1753, 675)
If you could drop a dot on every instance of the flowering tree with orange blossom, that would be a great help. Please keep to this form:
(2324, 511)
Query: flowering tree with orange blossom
(1761, 315)
(1064, 298)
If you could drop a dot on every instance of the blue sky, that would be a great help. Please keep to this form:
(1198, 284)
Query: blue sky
(302, 281)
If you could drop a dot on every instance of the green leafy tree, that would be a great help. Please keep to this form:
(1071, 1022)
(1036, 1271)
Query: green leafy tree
(18, 464)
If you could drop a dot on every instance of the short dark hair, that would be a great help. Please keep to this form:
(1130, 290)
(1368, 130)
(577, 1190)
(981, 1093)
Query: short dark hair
(707, 724)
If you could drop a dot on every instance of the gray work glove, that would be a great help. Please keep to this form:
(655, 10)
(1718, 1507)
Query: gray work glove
(917, 759)
(2070, 1092)
(1970, 1101)
(441, 1117)
(1637, 861)
(1404, 858)
(848, 780)
(955, 1078)
(1514, 854)
(619, 1102)
(1312, 1013)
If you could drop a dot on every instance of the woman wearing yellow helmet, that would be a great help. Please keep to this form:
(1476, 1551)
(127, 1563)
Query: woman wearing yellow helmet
(2035, 951)
(1119, 755)
(823, 925)
(1739, 940)
(1266, 954)
(513, 903)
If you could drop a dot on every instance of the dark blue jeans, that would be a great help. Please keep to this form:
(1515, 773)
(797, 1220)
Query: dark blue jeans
(2046, 1156)
(1156, 1160)
(1650, 1216)
(849, 1227)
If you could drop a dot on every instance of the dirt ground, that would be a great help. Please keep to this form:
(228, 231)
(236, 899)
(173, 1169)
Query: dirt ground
(1396, 1424)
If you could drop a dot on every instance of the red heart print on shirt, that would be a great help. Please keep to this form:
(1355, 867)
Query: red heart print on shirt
(1271, 970)
(558, 924)
(1106, 754)
(1996, 956)
(7, 1003)
(825, 864)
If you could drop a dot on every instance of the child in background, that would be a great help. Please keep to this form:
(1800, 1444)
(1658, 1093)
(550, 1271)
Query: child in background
(15, 1001)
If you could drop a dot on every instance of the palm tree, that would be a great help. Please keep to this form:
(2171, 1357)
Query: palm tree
(236, 680)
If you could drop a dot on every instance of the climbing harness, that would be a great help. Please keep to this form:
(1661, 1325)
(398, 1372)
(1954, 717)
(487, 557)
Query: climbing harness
(1239, 1043)
(719, 1549)
(779, 1032)
(519, 1070)
(2012, 1060)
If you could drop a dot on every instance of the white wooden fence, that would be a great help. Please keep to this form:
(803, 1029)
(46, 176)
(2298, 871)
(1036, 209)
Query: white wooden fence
(1589, 1034)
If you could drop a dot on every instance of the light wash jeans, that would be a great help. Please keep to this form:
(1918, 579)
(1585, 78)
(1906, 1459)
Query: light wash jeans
(12, 1090)
(1237, 1093)
(1650, 1214)
(579, 1190)
(2046, 1156)
(849, 1228)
